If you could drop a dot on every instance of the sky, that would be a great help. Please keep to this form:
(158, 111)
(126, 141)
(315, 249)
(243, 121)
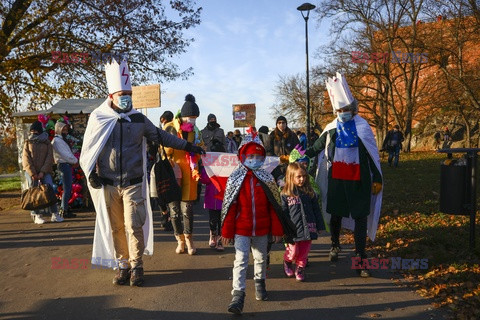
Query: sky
(241, 49)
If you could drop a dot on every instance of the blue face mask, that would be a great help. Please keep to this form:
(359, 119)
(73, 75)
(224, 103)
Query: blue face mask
(344, 116)
(125, 102)
(253, 164)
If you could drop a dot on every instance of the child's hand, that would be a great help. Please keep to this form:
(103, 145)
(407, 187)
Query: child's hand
(227, 241)
(277, 239)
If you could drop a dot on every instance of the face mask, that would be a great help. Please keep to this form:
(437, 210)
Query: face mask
(189, 120)
(64, 135)
(345, 116)
(124, 102)
(253, 164)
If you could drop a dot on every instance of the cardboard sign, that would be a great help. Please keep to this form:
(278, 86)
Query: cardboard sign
(146, 96)
(244, 115)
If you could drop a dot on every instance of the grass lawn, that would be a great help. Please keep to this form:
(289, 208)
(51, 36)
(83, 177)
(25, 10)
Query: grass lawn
(411, 227)
(9, 184)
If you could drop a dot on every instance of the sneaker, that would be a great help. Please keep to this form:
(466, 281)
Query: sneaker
(122, 276)
(333, 255)
(364, 273)
(300, 274)
(288, 269)
(56, 217)
(136, 278)
(37, 219)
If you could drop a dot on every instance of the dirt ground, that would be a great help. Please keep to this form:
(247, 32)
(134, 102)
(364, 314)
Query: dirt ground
(9, 199)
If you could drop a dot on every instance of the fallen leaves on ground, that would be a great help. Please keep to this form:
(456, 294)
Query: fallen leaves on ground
(452, 279)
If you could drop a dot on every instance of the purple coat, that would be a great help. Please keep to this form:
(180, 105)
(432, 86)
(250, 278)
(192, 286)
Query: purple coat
(210, 192)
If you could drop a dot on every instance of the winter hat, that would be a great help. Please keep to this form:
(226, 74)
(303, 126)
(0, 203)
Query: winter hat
(190, 108)
(211, 116)
(167, 115)
(251, 144)
(263, 129)
(36, 126)
(253, 148)
(281, 118)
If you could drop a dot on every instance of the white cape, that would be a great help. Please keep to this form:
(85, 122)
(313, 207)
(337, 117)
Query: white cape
(366, 135)
(100, 125)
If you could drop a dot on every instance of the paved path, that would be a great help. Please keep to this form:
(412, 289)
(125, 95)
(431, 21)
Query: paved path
(181, 286)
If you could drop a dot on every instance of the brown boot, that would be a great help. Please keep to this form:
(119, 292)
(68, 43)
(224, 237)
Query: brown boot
(122, 276)
(181, 244)
(191, 247)
(136, 278)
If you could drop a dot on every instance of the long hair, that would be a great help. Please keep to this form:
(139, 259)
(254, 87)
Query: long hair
(290, 189)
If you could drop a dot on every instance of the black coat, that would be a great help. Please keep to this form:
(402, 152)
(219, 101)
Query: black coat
(303, 211)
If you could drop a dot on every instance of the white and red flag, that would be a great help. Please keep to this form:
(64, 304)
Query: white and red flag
(219, 166)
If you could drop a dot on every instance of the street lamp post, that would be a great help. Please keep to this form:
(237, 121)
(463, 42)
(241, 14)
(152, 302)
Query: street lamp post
(305, 11)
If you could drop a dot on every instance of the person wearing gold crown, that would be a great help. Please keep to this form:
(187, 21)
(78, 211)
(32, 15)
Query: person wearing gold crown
(114, 161)
(349, 173)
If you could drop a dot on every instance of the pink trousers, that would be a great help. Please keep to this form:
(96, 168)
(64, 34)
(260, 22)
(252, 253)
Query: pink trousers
(298, 252)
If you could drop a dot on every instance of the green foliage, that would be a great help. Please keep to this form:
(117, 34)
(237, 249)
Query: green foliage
(9, 184)
(31, 30)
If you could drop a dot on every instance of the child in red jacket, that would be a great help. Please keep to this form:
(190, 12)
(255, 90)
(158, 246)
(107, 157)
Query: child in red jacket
(251, 211)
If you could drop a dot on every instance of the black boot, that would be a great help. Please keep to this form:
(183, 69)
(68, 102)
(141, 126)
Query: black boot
(236, 306)
(260, 291)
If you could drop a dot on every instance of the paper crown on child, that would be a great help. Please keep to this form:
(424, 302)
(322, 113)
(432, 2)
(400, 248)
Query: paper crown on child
(339, 92)
(118, 76)
(298, 154)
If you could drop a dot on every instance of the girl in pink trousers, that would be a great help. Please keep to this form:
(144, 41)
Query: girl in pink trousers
(301, 203)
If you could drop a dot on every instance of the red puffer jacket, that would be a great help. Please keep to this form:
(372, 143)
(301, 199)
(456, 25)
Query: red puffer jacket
(251, 214)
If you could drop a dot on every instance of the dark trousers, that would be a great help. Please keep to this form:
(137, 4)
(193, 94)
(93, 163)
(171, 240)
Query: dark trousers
(181, 211)
(360, 233)
(393, 154)
(214, 221)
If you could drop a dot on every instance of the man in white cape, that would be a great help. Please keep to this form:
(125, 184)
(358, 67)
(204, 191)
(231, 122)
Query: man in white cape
(114, 161)
(349, 174)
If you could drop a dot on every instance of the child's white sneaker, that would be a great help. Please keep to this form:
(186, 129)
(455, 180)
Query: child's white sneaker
(37, 219)
(56, 217)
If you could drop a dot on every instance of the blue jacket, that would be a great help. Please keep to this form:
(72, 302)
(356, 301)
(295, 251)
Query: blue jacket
(305, 214)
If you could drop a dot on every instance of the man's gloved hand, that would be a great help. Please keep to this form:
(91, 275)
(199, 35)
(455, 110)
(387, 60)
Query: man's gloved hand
(284, 159)
(195, 149)
(95, 180)
(376, 187)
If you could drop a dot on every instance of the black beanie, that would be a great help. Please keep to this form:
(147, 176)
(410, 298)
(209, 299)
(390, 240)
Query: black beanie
(190, 108)
(167, 115)
(280, 119)
(263, 129)
(211, 116)
(36, 126)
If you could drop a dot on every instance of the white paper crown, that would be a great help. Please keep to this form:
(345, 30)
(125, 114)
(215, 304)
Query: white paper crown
(339, 92)
(118, 76)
